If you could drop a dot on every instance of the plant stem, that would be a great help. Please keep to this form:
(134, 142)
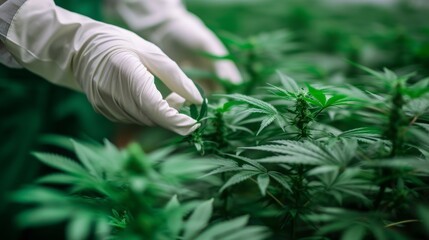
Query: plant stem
(272, 196)
(220, 130)
(297, 194)
(318, 112)
(276, 199)
(413, 121)
(395, 122)
(401, 222)
(393, 133)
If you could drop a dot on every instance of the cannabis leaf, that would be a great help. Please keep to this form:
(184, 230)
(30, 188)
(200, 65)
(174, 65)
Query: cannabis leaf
(269, 112)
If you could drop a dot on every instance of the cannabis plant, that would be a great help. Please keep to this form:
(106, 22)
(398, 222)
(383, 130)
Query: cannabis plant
(127, 194)
(321, 158)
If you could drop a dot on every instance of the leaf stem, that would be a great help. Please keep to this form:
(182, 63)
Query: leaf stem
(401, 222)
(413, 121)
(318, 112)
(272, 196)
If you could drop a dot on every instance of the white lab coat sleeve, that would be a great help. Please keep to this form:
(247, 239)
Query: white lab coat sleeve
(8, 9)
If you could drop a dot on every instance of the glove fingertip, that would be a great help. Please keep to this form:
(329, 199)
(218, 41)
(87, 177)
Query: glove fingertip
(186, 131)
(228, 71)
(198, 99)
(194, 95)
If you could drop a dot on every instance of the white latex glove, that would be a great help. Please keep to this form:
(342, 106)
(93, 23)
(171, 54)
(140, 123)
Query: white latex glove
(179, 33)
(111, 65)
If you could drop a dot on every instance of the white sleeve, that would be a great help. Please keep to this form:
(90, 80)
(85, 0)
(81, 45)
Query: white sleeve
(8, 9)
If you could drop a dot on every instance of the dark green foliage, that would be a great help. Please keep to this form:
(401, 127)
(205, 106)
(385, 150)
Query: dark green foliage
(315, 144)
(308, 177)
(128, 195)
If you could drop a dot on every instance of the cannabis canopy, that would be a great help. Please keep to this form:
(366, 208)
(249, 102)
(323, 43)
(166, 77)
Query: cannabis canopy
(328, 138)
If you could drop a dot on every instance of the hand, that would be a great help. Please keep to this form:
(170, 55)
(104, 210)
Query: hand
(185, 38)
(177, 32)
(112, 66)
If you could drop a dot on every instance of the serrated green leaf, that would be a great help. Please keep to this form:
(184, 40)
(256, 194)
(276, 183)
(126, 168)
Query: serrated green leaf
(224, 161)
(102, 229)
(253, 110)
(376, 74)
(175, 219)
(184, 167)
(236, 41)
(43, 216)
(89, 158)
(222, 170)
(249, 233)
(307, 148)
(322, 170)
(289, 160)
(59, 178)
(281, 179)
(160, 154)
(57, 140)
(389, 75)
(265, 122)
(337, 100)
(248, 161)
(277, 91)
(288, 83)
(198, 220)
(248, 167)
(228, 105)
(79, 227)
(334, 227)
(318, 95)
(354, 193)
(263, 182)
(173, 203)
(218, 230)
(39, 195)
(61, 163)
(266, 107)
(237, 178)
(364, 134)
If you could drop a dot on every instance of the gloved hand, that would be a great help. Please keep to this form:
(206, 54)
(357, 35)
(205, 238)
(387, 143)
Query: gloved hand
(112, 66)
(177, 32)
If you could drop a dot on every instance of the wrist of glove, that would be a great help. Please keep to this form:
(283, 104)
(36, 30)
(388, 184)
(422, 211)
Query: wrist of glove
(112, 66)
